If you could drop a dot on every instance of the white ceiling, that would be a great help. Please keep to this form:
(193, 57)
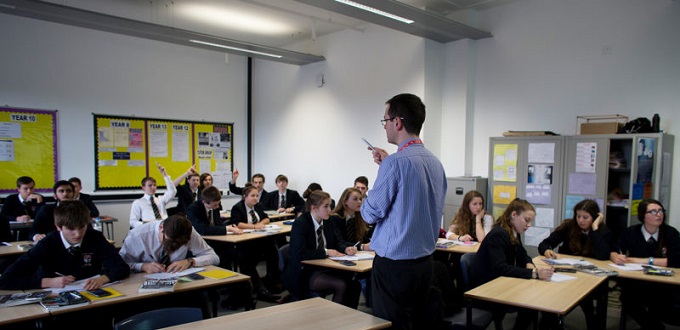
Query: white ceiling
(274, 23)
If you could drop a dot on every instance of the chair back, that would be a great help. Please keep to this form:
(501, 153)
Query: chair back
(160, 318)
(466, 261)
(283, 256)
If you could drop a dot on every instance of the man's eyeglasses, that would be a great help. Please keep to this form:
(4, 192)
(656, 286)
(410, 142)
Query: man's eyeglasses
(384, 121)
(656, 212)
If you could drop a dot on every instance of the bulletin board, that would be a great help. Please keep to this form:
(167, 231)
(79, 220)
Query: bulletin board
(28, 147)
(127, 149)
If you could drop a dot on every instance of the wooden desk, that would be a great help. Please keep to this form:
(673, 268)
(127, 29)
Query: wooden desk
(21, 313)
(235, 239)
(461, 249)
(130, 287)
(551, 297)
(310, 314)
(273, 216)
(17, 227)
(362, 266)
(14, 249)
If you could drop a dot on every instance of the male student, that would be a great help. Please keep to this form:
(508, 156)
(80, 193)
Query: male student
(149, 207)
(44, 220)
(84, 198)
(361, 184)
(188, 192)
(205, 217)
(72, 252)
(23, 206)
(171, 245)
(257, 182)
(284, 199)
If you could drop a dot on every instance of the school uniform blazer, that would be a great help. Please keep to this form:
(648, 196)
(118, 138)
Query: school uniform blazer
(303, 247)
(185, 197)
(13, 208)
(96, 257)
(293, 199)
(349, 239)
(199, 219)
(498, 257)
(87, 200)
(600, 241)
(633, 243)
(239, 214)
(44, 221)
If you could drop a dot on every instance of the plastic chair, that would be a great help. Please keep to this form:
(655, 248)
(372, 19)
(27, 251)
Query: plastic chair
(160, 318)
(481, 319)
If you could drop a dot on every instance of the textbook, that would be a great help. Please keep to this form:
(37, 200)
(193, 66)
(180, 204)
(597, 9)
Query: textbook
(154, 285)
(64, 299)
(16, 299)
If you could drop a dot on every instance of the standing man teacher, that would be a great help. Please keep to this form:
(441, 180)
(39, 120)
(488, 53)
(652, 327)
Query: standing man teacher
(406, 205)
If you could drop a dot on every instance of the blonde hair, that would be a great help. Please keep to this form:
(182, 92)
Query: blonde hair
(504, 221)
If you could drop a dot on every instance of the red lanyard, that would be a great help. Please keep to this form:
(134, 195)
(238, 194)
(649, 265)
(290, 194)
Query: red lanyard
(409, 143)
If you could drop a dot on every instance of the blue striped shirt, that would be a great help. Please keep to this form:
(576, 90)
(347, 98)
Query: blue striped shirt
(406, 204)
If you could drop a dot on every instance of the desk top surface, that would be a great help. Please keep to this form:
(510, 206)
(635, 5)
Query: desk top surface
(457, 248)
(312, 314)
(285, 229)
(362, 266)
(22, 312)
(552, 297)
(14, 248)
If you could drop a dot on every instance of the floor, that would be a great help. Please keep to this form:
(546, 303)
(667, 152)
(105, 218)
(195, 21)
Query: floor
(574, 320)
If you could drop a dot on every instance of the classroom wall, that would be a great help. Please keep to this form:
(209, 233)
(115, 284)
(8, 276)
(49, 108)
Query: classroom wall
(80, 71)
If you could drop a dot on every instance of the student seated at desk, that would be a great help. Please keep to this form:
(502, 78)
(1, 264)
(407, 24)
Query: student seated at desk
(84, 198)
(205, 216)
(361, 184)
(171, 245)
(313, 187)
(284, 199)
(149, 207)
(314, 238)
(471, 222)
(652, 242)
(23, 206)
(347, 218)
(44, 220)
(188, 192)
(248, 214)
(585, 235)
(73, 252)
(257, 181)
(502, 254)
(206, 180)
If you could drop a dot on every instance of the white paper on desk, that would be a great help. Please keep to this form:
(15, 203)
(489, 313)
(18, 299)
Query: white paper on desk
(456, 242)
(165, 276)
(557, 277)
(77, 285)
(567, 261)
(356, 257)
(627, 266)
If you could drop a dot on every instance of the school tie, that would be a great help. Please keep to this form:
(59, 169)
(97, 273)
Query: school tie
(651, 241)
(210, 217)
(350, 229)
(283, 201)
(253, 216)
(319, 237)
(74, 250)
(164, 258)
(193, 196)
(156, 212)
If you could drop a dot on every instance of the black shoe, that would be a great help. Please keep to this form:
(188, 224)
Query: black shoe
(264, 295)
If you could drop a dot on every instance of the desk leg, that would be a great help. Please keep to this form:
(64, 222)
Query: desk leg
(468, 314)
(109, 230)
(560, 321)
(602, 301)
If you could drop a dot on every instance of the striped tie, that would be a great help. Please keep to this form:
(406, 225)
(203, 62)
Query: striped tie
(253, 216)
(156, 212)
(350, 230)
(319, 237)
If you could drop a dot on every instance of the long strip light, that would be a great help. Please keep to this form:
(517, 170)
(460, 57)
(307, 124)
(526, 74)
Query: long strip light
(375, 11)
(235, 48)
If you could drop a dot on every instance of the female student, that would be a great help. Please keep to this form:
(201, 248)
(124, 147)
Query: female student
(502, 254)
(652, 242)
(313, 187)
(471, 223)
(313, 237)
(585, 235)
(347, 217)
(205, 181)
(248, 214)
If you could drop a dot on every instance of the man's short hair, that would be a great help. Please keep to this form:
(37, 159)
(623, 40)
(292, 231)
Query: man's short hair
(75, 179)
(361, 179)
(72, 215)
(24, 180)
(410, 109)
(62, 183)
(177, 231)
(281, 177)
(191, 176)
(247, 190)
(147, 178)
(211, 194)
(258, 175)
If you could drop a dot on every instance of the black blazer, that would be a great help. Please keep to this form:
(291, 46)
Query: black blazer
(13, 208)
(600, 241)
(293, 199)
(303, 247)
(498, 257)
(44, 221)
(199, 219)
(238, 213)
(350, 238)
(632, 243)
(185, 197)
(87, 200)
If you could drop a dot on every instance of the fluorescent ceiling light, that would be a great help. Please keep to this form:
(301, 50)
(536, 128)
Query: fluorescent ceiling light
(235, 48)
(375, 11)
(234, 18)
